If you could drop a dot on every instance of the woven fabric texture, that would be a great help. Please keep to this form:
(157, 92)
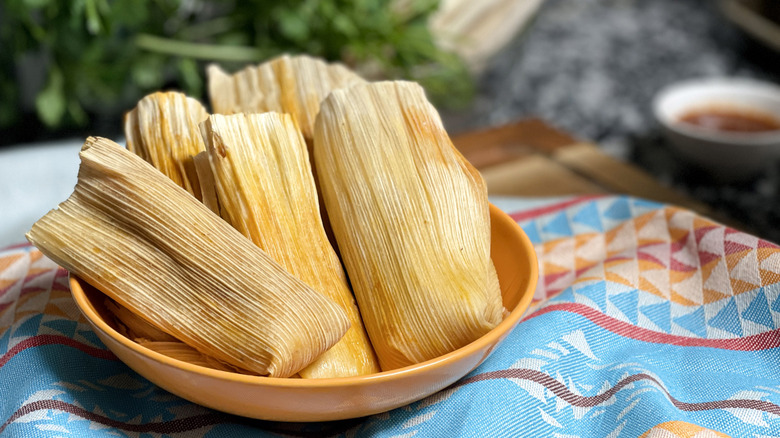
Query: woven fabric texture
(648, 321)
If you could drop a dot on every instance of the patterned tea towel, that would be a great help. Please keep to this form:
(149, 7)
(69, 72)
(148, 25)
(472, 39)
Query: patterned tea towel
(648, 321)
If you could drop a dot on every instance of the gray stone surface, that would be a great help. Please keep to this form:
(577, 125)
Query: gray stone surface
(592, 67)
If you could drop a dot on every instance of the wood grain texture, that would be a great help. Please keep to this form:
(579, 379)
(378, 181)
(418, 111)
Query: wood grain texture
(532, 158)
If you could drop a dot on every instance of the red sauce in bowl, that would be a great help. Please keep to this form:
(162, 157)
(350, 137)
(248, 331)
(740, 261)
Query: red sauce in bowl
(731, 120)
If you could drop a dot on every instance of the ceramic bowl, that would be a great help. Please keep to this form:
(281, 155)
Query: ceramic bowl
(727, 155)
(337, 398)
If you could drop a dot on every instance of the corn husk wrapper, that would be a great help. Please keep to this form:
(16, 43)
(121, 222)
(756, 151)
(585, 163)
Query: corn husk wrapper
(410, 215)
(295, 85)
(266, 190)
(287, 84)
(163, 130)
(137, 329)
(133, 326)
(133, 234)
(208, 188)
(185, 353)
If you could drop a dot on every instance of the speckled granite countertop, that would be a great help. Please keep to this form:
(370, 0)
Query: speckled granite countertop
(592, 67)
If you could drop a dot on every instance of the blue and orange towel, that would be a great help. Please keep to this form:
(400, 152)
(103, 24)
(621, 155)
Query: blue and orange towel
(648, 321)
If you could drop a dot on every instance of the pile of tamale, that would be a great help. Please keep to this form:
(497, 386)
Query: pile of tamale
(209, 234)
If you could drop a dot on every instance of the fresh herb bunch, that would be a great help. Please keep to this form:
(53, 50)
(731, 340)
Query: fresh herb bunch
(100, 56)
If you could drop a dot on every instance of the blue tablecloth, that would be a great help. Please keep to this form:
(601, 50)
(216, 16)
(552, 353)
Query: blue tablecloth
(648, 321)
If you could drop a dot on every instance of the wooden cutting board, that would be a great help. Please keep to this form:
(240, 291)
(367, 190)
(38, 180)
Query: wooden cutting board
(532, 158)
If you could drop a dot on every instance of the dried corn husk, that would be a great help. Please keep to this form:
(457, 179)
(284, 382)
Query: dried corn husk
(266, 190)
(287, 84)
(208, 189)
(137, 329)
(133, 326)
(163, 130)
(133, 234)
(410, 215)
(185, 353)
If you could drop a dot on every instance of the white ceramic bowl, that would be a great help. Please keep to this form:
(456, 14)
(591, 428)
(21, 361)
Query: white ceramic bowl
(729, 156)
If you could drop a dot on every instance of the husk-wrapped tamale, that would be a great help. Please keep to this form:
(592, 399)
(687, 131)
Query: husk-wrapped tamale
(183, 352)
(137, 329)
(287, 84)
(143, 241)
(163, 130)
(266, 190)
(133, 326)
(208, 189)
(410, 215)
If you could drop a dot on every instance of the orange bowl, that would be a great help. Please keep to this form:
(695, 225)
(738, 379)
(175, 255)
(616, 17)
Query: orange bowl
(280, 399)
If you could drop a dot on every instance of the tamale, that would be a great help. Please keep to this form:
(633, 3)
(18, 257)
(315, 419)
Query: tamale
(206, 181)
(266, 191)
(410, 215)
(287, 84)
(185, 353)
(163, 130)
(133, 234)
(133, 326)
(137, 329)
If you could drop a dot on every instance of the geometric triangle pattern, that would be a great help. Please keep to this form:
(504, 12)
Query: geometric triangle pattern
(587, 218)
(531, 230)
(37, 298)
(627, 304)
(649, 321)
(619, 254)
(617, 209)
(614, 270)
(596, 293)
(727, 318)
(557, 224)
(758, 310)
(659, 314)
(681, 429)
(693, 322)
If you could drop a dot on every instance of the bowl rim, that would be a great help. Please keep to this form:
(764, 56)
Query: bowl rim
(485, 341)
(737, 84)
